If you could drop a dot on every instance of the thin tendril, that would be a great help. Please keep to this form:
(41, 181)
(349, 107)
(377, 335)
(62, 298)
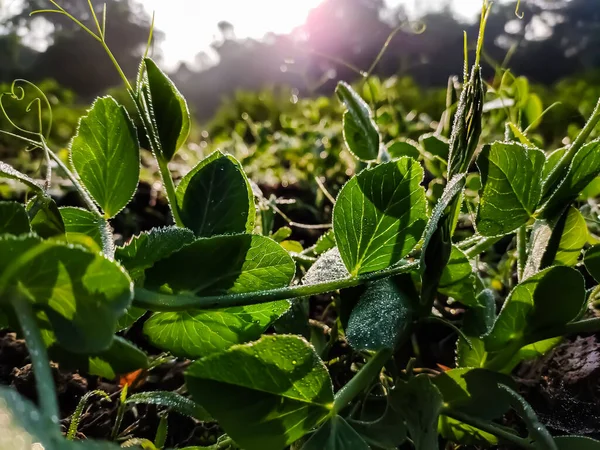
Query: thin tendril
(520, 15)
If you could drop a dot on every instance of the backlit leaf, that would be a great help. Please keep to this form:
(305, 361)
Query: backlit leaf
(360, 131)
(81, 221)
(193, 334)
(106, 155)
(511, 175)
(225, 264)
(169, 108)
(380, 215)
(83, 294)
(284, 391)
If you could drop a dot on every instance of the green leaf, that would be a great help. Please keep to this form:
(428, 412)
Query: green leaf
(145, 249)
(120, 358)
(420, 402)
(360, 131)
(225, 264)
(387, 431)
(591, 260)
(215, 197)
(13, 219)
(194, 334)
(475, 392)
(106, 155)
(576, 443)
(568, 239)
(170, 110)
(382, 317)
(173, 401)
(477, 322)
(380, 215)
(400, 148)
(81, 221)
(81, 293)
(325, 242)
(458, 280)
(336, 434)
(281, 234)
(582, 171)
(45, 217)
(461, 433)
(552, 297)
(7, 171)
(512, 176)
(435, 152)
(283, 392)
(552, 161)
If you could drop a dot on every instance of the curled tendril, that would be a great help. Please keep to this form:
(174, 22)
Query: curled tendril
(17, 92)
(521, 14)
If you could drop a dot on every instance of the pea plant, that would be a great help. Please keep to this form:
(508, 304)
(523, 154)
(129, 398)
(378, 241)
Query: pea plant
(209, 287)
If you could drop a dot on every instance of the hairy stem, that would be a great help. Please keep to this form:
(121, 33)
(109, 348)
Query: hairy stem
(44, 380)
(156, 301)
(489, 427)
(481, 246)
(80, 189)
(360, 381)
(522, 251)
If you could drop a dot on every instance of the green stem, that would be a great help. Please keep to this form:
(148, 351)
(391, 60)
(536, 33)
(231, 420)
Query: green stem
(44, 380)
(489, 428)
(481, 246)
(522, 251)
(361, 381)
(169, 189)
(80, 189)
(163, 165)
(156, 301)
(560, 169)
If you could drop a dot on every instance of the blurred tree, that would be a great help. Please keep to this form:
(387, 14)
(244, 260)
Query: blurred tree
(76, 60)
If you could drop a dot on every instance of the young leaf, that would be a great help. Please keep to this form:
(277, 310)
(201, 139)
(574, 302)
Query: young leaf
(225, 264)
(457, 280)
(284, 391)
(216, 197)
(420, 402)
(568, 239)
(194, 334)
(144, 250)
(170, 110)
(474, 392)
(106, 155)
(45, 217)
(435, 150)
(360, 131)
(81, 221)
(511, 175)
(13, 219)
(324, 243)
(171, 400)
(582, 171)
(400, 148)
(82, 294)
(380, 215)
(554, 296)
(592, 261)
(7, 171)
(336, 434)
(328, 267)
(382, 317)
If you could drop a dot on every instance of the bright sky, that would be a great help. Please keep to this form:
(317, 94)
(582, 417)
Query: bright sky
(191, 25)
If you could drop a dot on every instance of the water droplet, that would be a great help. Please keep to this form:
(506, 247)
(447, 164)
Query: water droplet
(294, 362)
